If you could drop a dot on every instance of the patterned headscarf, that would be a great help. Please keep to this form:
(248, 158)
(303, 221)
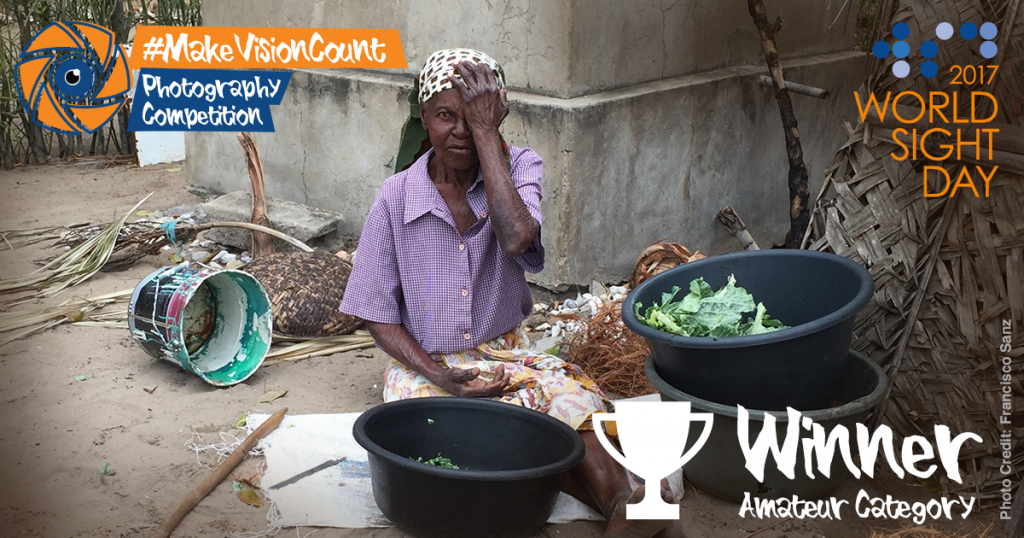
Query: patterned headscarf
(433, 77)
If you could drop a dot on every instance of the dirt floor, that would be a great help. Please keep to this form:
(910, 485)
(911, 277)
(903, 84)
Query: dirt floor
(57, 432)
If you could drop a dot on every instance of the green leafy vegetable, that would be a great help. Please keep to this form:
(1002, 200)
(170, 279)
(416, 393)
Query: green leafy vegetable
(438, 461)
(708, 313)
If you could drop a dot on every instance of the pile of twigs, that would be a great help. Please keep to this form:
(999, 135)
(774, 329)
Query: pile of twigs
(611, 353)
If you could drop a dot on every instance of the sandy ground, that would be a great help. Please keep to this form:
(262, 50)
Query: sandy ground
(56, 431)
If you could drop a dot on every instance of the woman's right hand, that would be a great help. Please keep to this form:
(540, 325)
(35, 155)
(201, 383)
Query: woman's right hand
(466, 382)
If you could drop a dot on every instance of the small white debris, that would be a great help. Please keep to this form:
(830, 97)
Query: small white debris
(568, 304)
(220, 255)
(555, 331)
(617, 296)
(542, 327)
(618, 290)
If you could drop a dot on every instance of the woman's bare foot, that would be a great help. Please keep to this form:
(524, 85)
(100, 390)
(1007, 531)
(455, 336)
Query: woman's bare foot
(620, 527)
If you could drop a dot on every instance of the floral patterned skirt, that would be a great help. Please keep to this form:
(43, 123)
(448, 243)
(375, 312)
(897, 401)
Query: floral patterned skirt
(540, 381)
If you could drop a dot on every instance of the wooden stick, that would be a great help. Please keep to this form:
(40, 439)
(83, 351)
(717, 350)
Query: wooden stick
(799, 214)
(732, 222)
(249, 226)
(802, 89)
(219, 474)
(262, 244)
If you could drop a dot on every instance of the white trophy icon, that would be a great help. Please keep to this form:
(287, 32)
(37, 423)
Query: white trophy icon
(652, 435)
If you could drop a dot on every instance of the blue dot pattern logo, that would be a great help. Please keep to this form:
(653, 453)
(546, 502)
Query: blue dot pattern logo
(968, 31)
(929, 49)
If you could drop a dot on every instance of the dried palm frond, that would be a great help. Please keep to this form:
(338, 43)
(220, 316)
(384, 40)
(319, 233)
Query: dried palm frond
(69, 269)
(13, 239)
(20, 323)
(660, 257)
(320, 347)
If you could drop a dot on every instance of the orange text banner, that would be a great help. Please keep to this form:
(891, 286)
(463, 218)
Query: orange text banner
(225, 47)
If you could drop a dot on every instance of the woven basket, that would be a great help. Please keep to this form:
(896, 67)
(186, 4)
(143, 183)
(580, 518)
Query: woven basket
(306, 289)
(658, 258)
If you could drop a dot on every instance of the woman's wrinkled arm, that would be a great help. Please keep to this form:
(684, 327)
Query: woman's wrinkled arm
(485, 109)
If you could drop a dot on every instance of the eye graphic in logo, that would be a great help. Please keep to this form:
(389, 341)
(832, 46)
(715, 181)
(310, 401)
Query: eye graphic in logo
(929, 49)
(73, 77)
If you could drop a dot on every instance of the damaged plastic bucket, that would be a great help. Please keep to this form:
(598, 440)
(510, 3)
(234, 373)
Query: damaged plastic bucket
(216, 324)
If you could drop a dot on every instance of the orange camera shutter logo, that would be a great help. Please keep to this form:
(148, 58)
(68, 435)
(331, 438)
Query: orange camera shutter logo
(73, 77)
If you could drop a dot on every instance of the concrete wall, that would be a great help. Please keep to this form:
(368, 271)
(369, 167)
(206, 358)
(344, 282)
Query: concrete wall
(637, 148)
(568, 48)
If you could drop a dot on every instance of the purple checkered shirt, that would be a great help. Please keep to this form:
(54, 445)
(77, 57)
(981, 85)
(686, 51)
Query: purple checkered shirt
(450, 291)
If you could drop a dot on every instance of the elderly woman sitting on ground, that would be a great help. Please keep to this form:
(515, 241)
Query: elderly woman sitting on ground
(439, 276)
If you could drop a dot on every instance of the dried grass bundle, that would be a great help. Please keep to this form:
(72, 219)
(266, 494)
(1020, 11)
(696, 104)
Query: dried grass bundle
(611, 353)
(318, 347)
(19, 324)
(660, 257)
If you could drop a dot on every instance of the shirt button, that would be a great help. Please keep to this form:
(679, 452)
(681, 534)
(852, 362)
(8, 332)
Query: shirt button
(462, 246)
(467, 336)
(465, 293)
(483, 214)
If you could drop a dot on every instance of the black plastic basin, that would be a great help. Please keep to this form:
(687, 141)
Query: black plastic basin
(817, 294)
(719, 467)
(512, 462)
